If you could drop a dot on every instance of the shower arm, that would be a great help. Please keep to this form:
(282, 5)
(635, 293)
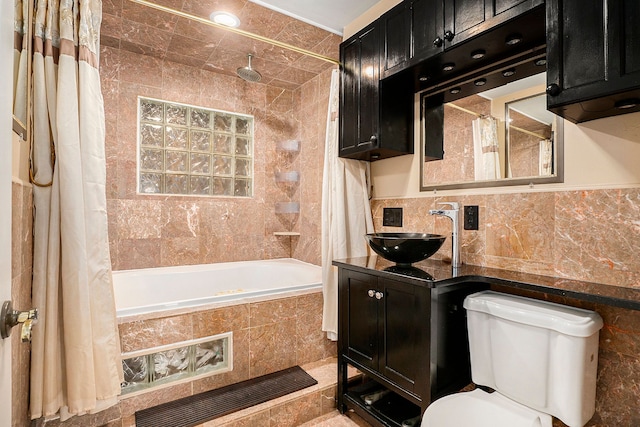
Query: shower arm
(236, 31)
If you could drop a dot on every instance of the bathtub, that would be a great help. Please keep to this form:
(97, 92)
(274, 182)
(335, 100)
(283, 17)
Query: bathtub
(157, 292)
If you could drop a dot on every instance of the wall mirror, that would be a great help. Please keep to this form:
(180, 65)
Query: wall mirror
(496, 137)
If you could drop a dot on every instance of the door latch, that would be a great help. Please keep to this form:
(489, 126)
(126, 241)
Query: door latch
(10, 318)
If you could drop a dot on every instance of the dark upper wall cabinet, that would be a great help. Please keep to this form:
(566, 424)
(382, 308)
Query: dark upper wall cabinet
(359, 91)
(593, 51)
(416, 30)
(375, 117)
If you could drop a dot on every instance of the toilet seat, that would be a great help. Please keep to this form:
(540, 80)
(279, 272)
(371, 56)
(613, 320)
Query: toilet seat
(478, 408)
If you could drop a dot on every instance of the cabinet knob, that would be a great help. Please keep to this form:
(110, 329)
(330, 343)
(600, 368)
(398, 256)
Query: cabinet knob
(373, 139)
(438, 41)
(371, 293)
(379, 295)
(448, 35)
(553, 89)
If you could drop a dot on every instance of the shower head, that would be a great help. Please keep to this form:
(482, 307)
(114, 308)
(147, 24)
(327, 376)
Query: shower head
(247, 73)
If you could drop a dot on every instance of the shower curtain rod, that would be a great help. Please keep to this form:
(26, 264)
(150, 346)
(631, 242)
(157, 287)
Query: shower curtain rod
(236, 31)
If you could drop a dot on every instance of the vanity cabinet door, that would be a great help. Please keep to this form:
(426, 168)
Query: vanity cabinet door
(404, 355)
(359, 107)
(361, 323)
(593, 58)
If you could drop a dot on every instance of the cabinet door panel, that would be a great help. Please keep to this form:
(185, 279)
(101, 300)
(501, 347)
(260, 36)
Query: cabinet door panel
(504, 5)
(362, 332)
(583, 42)
(349, 95)
(405, 352)
(631, 36)
(369, 78)
(426, 26)
(463, 15)
(396, 37)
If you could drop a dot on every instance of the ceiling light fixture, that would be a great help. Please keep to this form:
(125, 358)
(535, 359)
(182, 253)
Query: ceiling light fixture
(478, 54)
(225, 18)
(513, 39)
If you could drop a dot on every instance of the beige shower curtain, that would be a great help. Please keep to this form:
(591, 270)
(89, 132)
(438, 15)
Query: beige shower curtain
(75, 361)
(346, 212)
(545, 163)
(20, 58)
(486, 149)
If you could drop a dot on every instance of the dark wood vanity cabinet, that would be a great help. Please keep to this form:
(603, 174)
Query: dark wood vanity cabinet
(376, 118)
(404, 337)
(593, 58)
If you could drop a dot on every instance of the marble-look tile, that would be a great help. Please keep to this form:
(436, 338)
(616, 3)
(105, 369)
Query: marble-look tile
(212, 322)
(298, 412)
(521, 226)
(279, 310)
(617, 390)
(140, 219)
(598, 236)
(140, 335)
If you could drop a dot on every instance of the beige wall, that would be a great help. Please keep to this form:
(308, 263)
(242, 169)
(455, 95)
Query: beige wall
(367, 17)
(598, 154)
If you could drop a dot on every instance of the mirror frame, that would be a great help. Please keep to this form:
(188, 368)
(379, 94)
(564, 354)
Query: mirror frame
(431, 111)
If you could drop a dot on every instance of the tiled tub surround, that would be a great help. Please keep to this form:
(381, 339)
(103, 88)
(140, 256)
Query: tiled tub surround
(268, 336)
(154, 230)
(589, 235)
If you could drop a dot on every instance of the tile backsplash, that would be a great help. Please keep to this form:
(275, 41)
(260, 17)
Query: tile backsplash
(590, 235)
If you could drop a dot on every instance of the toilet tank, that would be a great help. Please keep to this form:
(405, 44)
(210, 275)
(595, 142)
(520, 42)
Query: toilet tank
(540, 354)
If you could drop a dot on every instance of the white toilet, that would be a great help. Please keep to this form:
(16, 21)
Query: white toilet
(540, 358)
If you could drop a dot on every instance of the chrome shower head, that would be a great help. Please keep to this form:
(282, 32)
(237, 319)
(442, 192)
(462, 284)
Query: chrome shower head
(247, 73)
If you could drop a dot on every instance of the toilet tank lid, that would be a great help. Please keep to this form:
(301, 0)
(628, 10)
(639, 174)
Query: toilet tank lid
(564, 319)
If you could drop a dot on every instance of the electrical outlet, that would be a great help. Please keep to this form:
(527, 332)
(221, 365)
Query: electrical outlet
(471, 217)
(392, 217)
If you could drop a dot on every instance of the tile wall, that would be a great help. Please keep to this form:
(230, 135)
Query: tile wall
(591, 235)
(151, 231)
(267, 336)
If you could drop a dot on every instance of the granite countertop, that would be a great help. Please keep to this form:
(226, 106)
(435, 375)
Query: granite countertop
(435, 273)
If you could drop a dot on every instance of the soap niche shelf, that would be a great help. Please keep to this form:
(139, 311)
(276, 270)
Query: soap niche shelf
(290, 145)
(287, 208)
(288, 179)
(291, 177)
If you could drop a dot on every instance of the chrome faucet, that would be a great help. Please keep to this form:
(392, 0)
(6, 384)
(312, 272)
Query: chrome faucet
(454, 215)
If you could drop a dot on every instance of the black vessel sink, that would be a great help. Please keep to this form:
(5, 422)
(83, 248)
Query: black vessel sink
(405, 248)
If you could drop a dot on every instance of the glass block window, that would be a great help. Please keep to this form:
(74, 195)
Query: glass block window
(183, 361)
(189, 150)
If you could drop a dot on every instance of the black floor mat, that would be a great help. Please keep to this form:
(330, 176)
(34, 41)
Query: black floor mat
(193, 410)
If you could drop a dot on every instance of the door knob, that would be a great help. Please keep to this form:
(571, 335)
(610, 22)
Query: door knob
(553, 89)
(10, 318)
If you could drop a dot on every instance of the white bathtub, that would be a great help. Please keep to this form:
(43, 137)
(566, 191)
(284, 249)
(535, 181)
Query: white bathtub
(152, 292)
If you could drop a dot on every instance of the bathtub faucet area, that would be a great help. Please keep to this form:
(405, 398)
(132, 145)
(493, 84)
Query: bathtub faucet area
(454, 215)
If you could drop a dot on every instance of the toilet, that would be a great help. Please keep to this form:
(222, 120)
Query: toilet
(540, 358)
